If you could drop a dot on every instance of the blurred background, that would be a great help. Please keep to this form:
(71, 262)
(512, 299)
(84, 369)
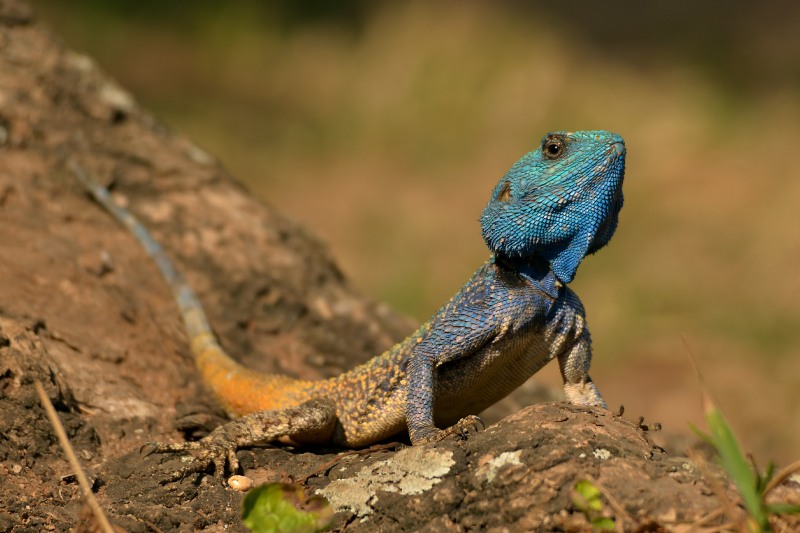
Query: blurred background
(383, 126)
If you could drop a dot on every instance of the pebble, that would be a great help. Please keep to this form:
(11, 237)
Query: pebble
(240, 483)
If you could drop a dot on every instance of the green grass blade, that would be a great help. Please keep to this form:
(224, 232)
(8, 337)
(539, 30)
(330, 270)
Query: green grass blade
(783, 508)
(735, 463)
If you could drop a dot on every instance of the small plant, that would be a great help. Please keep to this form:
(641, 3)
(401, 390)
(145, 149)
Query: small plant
(284, 508)
(753, 485)
(588, 499)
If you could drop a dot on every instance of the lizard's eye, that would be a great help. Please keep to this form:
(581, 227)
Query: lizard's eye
(553, 147)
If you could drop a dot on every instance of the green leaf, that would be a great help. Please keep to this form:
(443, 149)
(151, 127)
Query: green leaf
(735, 463)
(701, 434)
(783, 508)
(284, 508)
(603, 523)
(763, 480)
(590, 497)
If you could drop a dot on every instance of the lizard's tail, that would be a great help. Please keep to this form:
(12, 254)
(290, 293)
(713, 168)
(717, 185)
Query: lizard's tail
(238, 389)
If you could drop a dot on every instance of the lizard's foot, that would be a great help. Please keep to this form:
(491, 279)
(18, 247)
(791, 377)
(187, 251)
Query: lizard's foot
(218, 448)
(584, 394)
(311, 421)
(463, 428)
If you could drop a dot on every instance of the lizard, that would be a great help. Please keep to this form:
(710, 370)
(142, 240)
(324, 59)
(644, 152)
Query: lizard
(557, 204)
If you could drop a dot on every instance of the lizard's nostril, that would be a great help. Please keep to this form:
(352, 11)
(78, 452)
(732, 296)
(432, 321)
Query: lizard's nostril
(505, 192)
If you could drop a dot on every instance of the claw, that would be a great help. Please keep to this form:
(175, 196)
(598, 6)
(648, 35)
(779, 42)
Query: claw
(461, 428)
(148, 448)
(214, 449)
(195, 466)
(478, 421)
(233, 461)
(467, 423)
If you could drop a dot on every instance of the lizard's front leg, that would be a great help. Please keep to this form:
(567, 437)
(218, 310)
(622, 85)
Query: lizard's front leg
(309, 422)
(574, 364)
(419, 403)
(419, 400)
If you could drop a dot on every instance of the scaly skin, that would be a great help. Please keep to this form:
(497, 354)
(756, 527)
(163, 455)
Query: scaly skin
(557, 204)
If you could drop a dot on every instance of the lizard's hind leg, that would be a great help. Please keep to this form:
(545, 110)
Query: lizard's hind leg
(310, 422)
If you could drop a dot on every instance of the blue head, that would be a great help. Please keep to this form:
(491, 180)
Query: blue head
(559, 202)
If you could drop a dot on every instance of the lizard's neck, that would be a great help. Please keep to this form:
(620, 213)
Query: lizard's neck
(533, 269)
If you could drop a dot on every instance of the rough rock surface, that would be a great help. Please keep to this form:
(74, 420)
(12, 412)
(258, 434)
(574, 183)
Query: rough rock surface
(83, 311)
